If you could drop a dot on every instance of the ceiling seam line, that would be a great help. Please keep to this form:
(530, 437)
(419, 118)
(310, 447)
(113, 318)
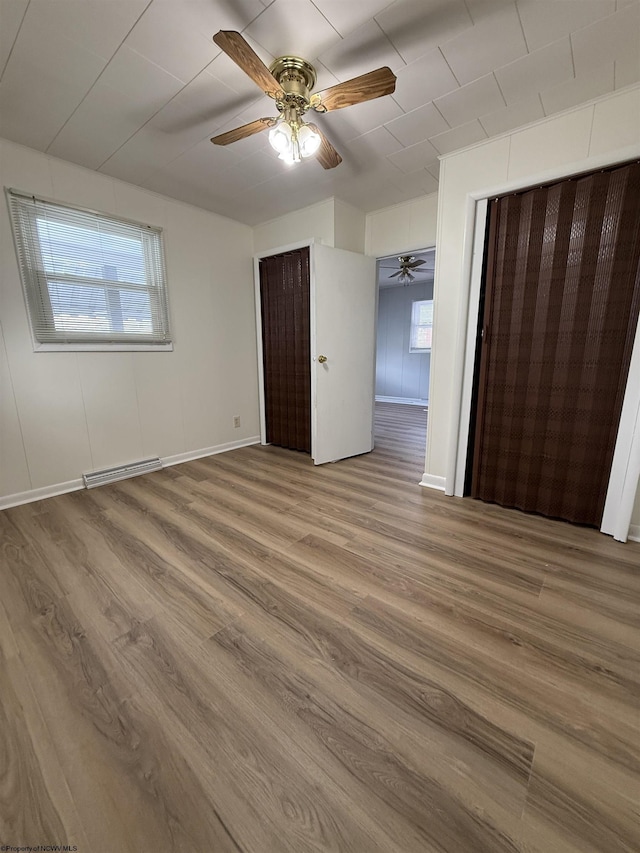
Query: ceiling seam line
(92, 86)
(506, 103)
(340, 36)
(454, 75)
(388, 38)
(172, 98)
(15, 41)
(524, 35)
(142, 126)
(544, 112)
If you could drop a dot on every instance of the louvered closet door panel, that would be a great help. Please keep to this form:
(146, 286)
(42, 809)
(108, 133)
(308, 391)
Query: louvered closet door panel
(284, 293)
(561, 312)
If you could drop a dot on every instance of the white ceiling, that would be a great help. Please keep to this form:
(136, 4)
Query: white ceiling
(135, 88)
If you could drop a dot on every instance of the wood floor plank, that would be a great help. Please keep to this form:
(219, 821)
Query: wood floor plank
(28, 809)
(440, 819)
(250, 653)
(27, 584)
(380, 532)
(131, 789)
(546, 700)
(271, 797)
(333, 641)
(292, 473)
(424, 723)
(601, 813)
(581, 655)
(168, 580)
(91, 574)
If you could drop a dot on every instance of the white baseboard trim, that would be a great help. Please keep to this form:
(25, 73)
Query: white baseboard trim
(208, 451)
(406, 401)
(634, 532)
(20, 498)
(430, 481)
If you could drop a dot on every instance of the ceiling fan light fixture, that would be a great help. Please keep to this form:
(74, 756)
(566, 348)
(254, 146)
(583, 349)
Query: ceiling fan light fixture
(294, 140)
(280, 137)
(308, 140)
(290, 157)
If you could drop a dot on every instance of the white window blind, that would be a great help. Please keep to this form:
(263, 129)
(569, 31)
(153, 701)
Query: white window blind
(421, 325)
(89, 278)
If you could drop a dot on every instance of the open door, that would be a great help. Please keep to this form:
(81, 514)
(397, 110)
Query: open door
(343, 312)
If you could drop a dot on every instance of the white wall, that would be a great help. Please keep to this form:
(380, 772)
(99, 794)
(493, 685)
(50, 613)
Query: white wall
(316, 221)
(331, 222)
(400, 373)
(349, 227)
(403, 227)
(65, 413)
(604, 132)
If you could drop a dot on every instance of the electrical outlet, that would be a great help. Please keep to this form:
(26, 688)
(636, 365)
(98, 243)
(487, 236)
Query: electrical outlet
(236, 421)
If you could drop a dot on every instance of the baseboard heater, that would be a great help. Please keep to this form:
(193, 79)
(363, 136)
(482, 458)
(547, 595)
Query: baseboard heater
(122, 472)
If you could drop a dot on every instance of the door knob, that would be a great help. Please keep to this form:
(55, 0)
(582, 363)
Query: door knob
(322, 359)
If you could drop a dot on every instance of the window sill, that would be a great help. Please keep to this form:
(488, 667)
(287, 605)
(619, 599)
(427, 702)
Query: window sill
(103, 348)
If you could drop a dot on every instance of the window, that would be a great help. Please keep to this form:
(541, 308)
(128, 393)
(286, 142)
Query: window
(89, 279)
(421, 325)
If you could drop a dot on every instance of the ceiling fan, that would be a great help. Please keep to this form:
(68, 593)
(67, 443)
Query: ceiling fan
(289, 81)
(407, 264)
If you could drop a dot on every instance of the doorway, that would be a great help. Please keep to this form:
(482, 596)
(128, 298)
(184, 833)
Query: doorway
(403, 341)
(562, 298)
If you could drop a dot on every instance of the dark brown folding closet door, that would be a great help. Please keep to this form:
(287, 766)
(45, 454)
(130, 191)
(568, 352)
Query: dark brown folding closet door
(284, 295)
(561, 311)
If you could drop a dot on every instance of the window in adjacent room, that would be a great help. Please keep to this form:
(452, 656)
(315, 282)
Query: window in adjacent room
(91, 281)
(421, 325)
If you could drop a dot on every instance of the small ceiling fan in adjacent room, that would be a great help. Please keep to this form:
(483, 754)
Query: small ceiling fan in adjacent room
(289, 81)
(407, 264)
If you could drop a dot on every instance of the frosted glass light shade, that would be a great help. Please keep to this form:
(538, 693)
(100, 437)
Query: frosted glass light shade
(280, 137)
(308, 140)
(294, 141)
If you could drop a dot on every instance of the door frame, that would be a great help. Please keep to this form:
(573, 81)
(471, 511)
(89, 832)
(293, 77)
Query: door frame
(394, 255)
(625, 469)
(290, 247)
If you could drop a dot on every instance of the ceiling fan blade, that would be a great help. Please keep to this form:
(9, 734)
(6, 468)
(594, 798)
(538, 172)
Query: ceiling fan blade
(327, 155)
(396, 274)
(375, 84)
(415, 264)
(243, 131)
(246, 58)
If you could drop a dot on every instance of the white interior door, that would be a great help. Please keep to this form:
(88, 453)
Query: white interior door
(343, 312)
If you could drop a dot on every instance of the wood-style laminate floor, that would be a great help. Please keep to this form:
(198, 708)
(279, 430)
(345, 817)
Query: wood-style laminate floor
(247, 653)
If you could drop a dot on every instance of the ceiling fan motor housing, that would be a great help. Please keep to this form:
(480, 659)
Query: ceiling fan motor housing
(296, 77)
